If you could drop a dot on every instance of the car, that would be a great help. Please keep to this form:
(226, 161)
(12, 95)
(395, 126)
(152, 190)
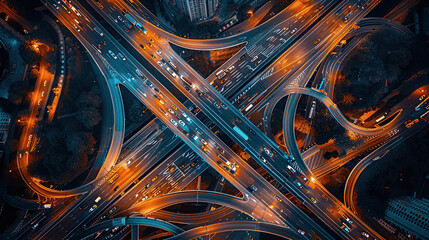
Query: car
(153, 56)
(116, 188)
(99, 5)
(220, 149)
(293, 31)
(148, 185)
(137, 194)
(204, 149)
(186, 117)
(230, 68)
(364, 234)
(44, 83)
(253, 188)
(76, 28)
(277, 197)
(150, 39)
(174, 107)
(159, 99)
(195, 137)
(112, 210)
(35, 225)
(241, 58)
(142, 46)
(38, 103)
(97, 199)
(172, 73)
(93, 208)
(226, 168)
(144, 198)
(224, 106)
(233, 167)
(120, 55)
(171, 111)
(301, 232)
(345, 228)
(349, 220)
(203, 141)
(268, 152)
(313, 200)
(130, 76)
(182, 123)
(158, 52)
(128, 163)
(317, 41)
(198, 130)
(159, 63)
(112, 54)
(216, 105)
(154, 178)
(185, 132)
(173, 122)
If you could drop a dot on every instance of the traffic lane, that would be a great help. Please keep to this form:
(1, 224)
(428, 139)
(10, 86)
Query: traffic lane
(304, 47)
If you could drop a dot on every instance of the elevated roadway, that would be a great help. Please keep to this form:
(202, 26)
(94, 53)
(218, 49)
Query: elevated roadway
(111, 223)
(238, 226)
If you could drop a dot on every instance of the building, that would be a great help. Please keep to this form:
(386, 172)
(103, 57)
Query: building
(198, 10)
(410, 214)
(4, 125)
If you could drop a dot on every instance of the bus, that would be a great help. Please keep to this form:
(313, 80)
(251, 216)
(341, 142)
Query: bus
(241, 133)
(186, 80)
(321, 84)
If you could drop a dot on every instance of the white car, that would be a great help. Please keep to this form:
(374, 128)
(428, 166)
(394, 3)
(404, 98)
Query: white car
(122, 56)
(173, 122)
(182, 123)
(158, 52)
(93, 208)
(97, 199)
(293, 31)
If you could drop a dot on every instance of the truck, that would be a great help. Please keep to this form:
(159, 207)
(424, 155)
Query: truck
(241, 133)
(135, 23)
(187, 81)
(111, 180)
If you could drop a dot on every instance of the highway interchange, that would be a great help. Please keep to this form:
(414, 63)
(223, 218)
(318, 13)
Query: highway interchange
(151, 168)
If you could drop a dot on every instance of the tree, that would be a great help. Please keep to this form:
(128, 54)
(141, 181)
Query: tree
(326, 127)
(348, 99)
(136, 111)
(89, 117)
